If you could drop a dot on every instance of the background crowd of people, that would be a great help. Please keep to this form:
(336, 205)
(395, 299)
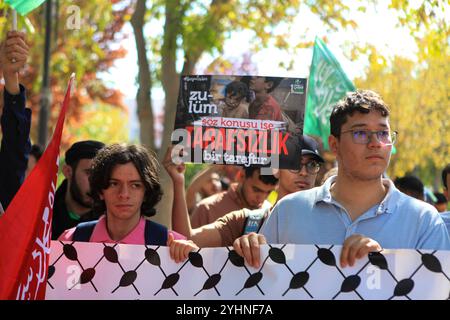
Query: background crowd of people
(109, 191)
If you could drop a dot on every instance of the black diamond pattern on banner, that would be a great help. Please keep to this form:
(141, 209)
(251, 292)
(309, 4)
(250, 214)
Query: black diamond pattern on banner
(298, 279)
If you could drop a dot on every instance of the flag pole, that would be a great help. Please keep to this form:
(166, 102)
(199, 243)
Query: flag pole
(46, 93)
(14, 20)
(14, 26)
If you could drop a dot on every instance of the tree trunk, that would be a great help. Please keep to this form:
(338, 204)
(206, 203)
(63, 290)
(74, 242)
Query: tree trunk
(143, 96)
(170, 81)
(174, 12)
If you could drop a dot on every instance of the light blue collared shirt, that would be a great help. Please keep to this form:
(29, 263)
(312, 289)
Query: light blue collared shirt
(446, 217)
(314, 217)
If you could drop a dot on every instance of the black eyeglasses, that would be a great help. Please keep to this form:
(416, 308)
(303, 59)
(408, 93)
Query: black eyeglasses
(312, 167)
(385, 137)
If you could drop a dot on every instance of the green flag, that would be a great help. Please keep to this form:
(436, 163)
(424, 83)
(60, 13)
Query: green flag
(24, 6)
(327, 84)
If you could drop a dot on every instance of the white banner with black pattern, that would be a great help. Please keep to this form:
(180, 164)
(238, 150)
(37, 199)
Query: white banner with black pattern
(107, 271)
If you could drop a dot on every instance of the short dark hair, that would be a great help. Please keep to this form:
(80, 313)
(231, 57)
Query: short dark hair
(275, 82)
(36, 151)
(265, 178)
(237, 88)
(445, 172)
(362, 101)
(440, 198)
(145, 163)
(410, 185)
(86, 149)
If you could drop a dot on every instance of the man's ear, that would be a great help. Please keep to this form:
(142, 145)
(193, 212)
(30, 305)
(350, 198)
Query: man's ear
(240, 177)
(268, 85)
(275, 172)
(67, 171)
(445, 192)
(333, 143)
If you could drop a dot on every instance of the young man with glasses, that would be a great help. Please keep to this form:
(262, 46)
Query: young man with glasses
(232, 225)
(357, 208)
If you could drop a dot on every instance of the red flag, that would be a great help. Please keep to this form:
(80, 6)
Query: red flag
(25, 228)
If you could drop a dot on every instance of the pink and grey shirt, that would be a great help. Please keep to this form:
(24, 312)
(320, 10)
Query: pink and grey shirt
(100, 233)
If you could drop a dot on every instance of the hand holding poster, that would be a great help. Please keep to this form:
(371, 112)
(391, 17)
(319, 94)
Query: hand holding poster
(83, 270)
(240, 120)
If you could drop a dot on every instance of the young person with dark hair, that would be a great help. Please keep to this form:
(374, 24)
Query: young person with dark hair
(411, 185)
(264, 106)
(251, 192)
(234, 105)
(357, 209)
(441, 202)
(125, 188)
(33, 158)
(72, 201)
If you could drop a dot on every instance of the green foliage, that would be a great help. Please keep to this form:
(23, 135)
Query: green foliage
(87, 49)
(192, 28)
(101, 122)
(424, 15)
(199, 27)
(417, 92)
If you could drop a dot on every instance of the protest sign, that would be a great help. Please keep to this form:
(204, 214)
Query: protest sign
(240, 120)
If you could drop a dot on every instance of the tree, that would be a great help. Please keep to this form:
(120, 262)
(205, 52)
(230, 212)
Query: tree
(144, 93)
(192, 28)
(100, 122)
(417, 92)
(86, 37)
(223, 65)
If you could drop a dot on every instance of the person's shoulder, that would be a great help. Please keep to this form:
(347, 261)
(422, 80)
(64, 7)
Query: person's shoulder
(405, 201)
(257, 213)
(67, 235)
(304, 196)
(446, 216)
(61, 191)
(414, 208)
(300, 202)
(235, 215)
(274, 103)
(211, 200)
